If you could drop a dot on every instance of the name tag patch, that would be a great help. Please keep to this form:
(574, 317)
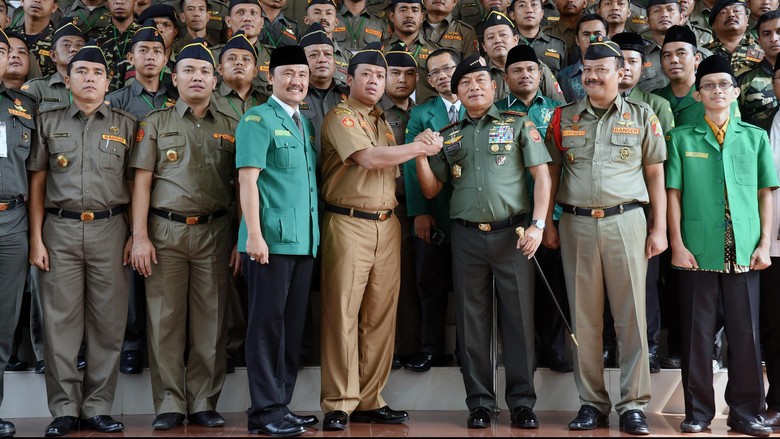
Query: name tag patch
(696, 155)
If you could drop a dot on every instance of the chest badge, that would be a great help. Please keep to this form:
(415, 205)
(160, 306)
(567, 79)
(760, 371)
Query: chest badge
(172, 155)
(570, 157)
(62, 161)
(625, 153)
(501, 160)
(457, 171)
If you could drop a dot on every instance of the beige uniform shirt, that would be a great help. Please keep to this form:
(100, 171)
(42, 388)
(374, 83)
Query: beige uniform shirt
(193, 160)
(350, 127)
(86, 157)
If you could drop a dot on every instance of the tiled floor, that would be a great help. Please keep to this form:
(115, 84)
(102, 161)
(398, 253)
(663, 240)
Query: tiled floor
(422, 424)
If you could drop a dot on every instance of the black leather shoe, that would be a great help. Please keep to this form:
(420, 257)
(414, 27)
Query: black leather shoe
(750, 427)
(206, 418)
(81, 363)
(102, 424)
(609, 357)
(7, 429)
(397, 363)
(524, 417)
(15, 364)
(40, 367)
(559, 363)
(479, 418)
(421, 362)
(634, 422)
(281, 428)
(335, 420)
(693, 426)
(131, 362)
(62, 426)
(671, 362)
(655, 363)
(384, 415)
(588, 418)
(303, 421)
(772, 419)
(167, 421)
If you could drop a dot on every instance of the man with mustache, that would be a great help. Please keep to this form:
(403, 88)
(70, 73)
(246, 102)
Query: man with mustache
(729, 23)
(357, 26)
(114, 39)
(757, 98)
(324, 13)
(440, 27)
(588, 28)
(487, 158)
(613, 151)
(527, 16)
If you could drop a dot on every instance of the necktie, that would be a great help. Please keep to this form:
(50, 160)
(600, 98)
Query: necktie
(297, 119)
(453, 113)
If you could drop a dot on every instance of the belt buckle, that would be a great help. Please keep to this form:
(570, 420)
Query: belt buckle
(4, 206)
(191, 220)
(485, 227)
(597, 213)
(382, 216)
(87, 216)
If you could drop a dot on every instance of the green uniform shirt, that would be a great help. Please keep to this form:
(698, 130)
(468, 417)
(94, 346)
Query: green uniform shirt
(704, 173)
(89, 20)
(49, 92)
(603, 158)
(229, 102)
(687, 110)
(260, 81)
(136, 100)
(282, 31)
(563, 33)
(757, 98)
(17, 112)
(353, 33)
(86, 157)
(193, 160)
(452, 34)
(549, 84)
(487, 160)
(267, 138)
(469, 12)
(420, 49)
(659, 105)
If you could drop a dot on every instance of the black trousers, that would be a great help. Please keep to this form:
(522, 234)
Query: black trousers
(550, 328)
(434, 283)
(770, 331)
(278, 293)
(700, 295)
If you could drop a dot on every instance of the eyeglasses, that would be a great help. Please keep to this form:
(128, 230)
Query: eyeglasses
(710, 86)
(441, 71)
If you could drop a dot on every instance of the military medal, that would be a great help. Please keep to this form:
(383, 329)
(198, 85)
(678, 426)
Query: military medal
(456, 171)
(62, 161)
(509, 119)
(626, 115)
(501, 134)
(570, 157)
(494, 148)
(172, 155)
(508, 147)
(625, 153)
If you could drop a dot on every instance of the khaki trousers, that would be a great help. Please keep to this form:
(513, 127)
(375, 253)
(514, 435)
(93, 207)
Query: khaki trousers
(360, 284)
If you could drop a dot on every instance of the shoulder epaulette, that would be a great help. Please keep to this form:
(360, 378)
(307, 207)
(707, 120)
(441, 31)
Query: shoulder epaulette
(53, 107)
(446, 127)
(122, 112)
(515, 113)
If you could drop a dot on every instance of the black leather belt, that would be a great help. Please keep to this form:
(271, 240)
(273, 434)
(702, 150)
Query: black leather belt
(12, 204)
(86, 215)
(189, 220)
(600, 213)
(493, 226)
(352, 212)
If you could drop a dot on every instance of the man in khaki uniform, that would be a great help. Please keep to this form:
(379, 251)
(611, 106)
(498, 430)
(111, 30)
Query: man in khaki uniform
(613, 150)
(361, 246)
(80, 179)
(182, 242)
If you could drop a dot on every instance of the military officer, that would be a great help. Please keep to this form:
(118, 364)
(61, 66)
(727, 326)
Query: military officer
(324, 13)
(361, 248)
(441, 28)
(613, 152)
(19, 128)
(183, 194)
(235, 95)
(89, 15)
(278, 30)
(78, 230)
(757, 98)
(564, 28)
(277, 250)
(486, 157)
(729, 23)
(527, 16)
(246, 15)
(213, 14)
(357, 26)
(720, 178)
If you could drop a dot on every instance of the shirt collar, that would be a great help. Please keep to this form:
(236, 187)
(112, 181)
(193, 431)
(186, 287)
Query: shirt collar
(448, 104)
(103, 110)
(182, 108)
(287, 109)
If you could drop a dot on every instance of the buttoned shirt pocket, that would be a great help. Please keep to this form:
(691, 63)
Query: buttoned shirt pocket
(502, 157)
(285, 153)
(171, 152)
(279, 225)
(112, 156)
(223, 152)
(626, 148)
(62, 154)
(745, 169)
(693, 234)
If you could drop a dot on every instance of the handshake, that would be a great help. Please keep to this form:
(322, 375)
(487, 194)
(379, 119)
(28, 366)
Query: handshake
(430, 142)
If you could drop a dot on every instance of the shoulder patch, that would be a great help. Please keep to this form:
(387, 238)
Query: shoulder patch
(348, 122)
(342, 110)
(252, 118)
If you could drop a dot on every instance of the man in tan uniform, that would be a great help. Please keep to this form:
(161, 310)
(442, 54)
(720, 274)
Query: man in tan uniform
(361, 247)
(184, 171)
(79, 178)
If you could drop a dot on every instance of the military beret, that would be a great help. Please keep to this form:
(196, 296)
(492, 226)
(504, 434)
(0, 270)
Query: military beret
(321, 2)
(4, 38)
(495, 18)
(147, 33)
(398, 56)
(238, 41)
(651, 3)
(713, 64)
(474, 63)
(234, 3)
(196, 50)
(155, 11)
(630, 41)
(720, 5)
(67, 29)
(91, 53)
(287, 56)
(371, 54)
(602, 47)
(679, 33)
(315, 34)
(521, 52)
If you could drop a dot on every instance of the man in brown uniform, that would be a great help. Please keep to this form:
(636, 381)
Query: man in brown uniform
(361, 247)
(184, 167)
(79, 177)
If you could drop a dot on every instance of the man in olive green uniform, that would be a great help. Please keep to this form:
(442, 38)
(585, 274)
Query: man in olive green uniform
(50, 91)
(89, 15)
(14, 244)
(323, 12)
(441, 28)
(357, 26)
(215, 27)
(564, 28)
(729, 24)
(756, 98)
(183, 195)
(361, 245)
(613, 150)
(38, 28)
(720, 178)
(78, 233)
(527, 16)
(486, 156)
(278, 30)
